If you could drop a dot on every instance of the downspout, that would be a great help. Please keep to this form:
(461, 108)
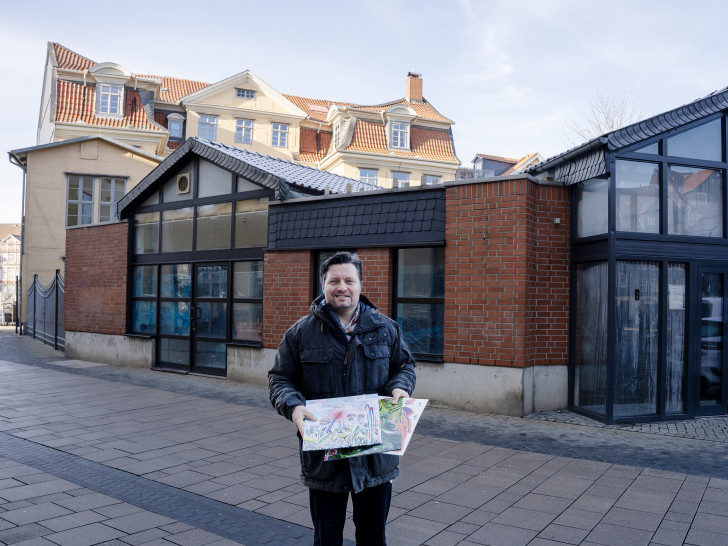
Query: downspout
(19, 318)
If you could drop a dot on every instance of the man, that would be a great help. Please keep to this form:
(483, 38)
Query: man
(344, 347)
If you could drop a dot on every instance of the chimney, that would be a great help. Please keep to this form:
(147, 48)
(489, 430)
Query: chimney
(414, 87)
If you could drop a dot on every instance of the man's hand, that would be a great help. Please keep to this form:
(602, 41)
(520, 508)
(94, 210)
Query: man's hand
(299, 414)
(397, 394)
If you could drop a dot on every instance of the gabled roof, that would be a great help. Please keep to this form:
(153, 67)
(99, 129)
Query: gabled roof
(21, 154)
(589, 159)
(8, 231)
(70, 60)
(276, 174)
(497, 158)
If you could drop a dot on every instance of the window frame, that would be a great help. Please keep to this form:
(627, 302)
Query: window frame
(368, 179)
(279, 134)
(399, 135)
(114, 198)
(209, 122)
(242, 130)
(178, 132)
(427, 182)
(397, 182)
(105, 92)
(397, 299)
(80, 202)
(244, 93)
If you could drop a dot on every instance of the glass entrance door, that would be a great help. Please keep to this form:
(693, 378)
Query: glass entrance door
(209, 319)
(711, 398)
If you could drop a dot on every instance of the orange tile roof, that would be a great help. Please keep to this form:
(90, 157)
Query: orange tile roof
(76, 102)
(305, 104)
(498, 158)
(426, 143)
(173, 89)
(314, 145)
(423, 109)
(70, 60)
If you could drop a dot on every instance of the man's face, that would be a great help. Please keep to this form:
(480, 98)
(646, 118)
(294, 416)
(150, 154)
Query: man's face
(342, 287)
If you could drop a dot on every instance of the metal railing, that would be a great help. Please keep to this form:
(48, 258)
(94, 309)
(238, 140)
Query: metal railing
(45, 312)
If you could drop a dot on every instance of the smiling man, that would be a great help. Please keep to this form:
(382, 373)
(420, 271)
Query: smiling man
(343, 347)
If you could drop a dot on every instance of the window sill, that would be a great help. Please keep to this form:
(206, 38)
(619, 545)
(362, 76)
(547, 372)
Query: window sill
(435, 359)
(140, 336)
(251, 344)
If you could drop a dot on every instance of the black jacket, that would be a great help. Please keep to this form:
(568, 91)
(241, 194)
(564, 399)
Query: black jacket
(316, 360)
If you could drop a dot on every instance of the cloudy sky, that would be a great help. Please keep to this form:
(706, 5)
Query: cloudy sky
(511, 73)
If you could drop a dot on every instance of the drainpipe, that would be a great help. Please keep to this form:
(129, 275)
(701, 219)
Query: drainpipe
(19, 319)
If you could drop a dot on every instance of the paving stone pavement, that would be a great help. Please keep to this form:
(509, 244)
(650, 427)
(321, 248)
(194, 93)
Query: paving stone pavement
(101, 454)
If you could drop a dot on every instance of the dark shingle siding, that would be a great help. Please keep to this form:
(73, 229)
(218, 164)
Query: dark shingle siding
(382, 219)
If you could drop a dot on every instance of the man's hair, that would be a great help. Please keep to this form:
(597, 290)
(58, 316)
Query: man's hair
(341, 258)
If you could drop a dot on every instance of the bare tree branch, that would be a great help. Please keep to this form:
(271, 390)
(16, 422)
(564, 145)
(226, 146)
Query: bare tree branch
(605, 113)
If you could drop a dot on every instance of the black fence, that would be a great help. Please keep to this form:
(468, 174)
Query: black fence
(45, 312)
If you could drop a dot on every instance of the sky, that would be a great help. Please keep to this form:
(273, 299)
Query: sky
(511, 74)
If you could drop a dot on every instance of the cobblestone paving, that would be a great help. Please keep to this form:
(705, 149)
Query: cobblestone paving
(99, 454)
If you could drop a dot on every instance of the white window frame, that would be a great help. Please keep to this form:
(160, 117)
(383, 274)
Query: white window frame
(206, 126)
(116, 194)
(175, 127)
(337, 134)
(432, 180)
(400, 179)
(368, 175)
(110, 99)
(399, 135)
(243, 131)
(81, 218)
(279, 135)
(244, 93)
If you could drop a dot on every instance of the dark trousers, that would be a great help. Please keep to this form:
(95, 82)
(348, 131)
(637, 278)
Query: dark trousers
(371, 507)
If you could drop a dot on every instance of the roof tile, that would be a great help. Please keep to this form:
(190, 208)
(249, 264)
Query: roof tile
(425, 143)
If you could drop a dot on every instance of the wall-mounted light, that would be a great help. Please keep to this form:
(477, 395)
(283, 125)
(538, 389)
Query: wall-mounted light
(557, 221)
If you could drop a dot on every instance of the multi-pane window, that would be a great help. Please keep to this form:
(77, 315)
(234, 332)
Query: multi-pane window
(109, 97)
(398, 135)
(400, 180)
(80, 200)
(111, 190)
(431, 180)
(280, 135)
(337, 135)
(207, 127)
(247, 301)
(245, 93)
(144, 299)
(244, 131)
(420, 299)
(175, 128)
(368, 175)
(146, 233)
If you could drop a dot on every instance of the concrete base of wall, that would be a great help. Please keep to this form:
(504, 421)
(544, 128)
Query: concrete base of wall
(122, 350)
(482, 389)
(490, 389)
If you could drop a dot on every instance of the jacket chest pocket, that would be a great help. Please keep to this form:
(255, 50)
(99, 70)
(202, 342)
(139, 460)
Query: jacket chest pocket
(318, 373)
(376, 367)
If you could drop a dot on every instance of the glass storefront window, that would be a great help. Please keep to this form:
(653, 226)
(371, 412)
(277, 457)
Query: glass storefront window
(214, 180)
(213, 354)
(251, 223)
(420, 298)
(592, 207)
(213, 226)
(175, 351)
(248, 279)
(210, 321)
(211, 281)
(637, 341)
(144, 317)
(145, 281)
(695, 201)
(638, 196)
(676, 323)
(174, 318)
(590, 338)
(247, 321)
(177, 230)
(702, 142)
(146, 233)
(176, 281)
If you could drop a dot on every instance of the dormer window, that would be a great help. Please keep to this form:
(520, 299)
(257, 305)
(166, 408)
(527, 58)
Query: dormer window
(337, 134)
(175, 125)
(399, 135)
(109, 99)
(245, 93)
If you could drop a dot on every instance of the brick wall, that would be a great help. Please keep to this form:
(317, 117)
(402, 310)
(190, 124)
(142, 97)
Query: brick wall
(95, 283)
(506, 280)
(287, 292)
(288, 287)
